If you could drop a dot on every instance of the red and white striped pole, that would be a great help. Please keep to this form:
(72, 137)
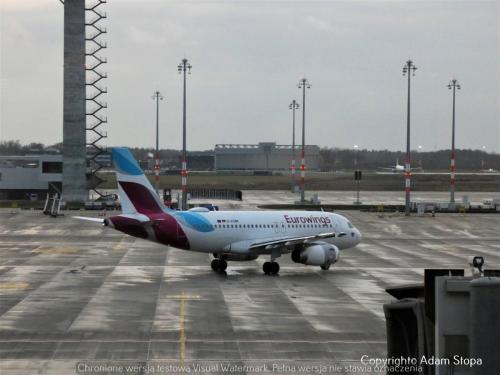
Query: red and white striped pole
(303, 84)
(157, 172)
(407, 176)
(157, 96)
(183, 68)
(302, 175)
(452, 177)
(408, 69)
(293, 106)
(184, 179)
(453, 85)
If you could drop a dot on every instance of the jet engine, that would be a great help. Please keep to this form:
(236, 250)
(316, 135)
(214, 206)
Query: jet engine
(316, 254)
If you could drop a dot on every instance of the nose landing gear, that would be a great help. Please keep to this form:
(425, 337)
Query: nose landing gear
(271, 268)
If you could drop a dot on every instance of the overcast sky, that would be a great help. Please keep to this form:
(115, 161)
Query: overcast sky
(247, 58)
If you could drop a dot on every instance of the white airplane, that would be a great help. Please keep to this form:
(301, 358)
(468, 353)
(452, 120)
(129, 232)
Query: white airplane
(489, 170)
(399, 168)
(312, 238)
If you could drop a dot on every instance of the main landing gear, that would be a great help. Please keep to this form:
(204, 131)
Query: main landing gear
(271, 268)
(219, 265)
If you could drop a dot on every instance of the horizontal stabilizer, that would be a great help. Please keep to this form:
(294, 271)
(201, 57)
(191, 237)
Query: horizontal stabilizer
(94, 219)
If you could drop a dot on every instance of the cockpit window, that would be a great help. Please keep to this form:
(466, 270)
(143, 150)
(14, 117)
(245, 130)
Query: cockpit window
(349, 224)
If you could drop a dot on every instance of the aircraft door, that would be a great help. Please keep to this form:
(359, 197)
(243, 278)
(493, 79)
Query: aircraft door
(276, 226)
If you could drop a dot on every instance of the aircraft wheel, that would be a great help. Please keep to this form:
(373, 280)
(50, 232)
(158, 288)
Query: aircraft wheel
(215, 264)
(275, 268)
(222, 265)
(266, 267)
(325, 267)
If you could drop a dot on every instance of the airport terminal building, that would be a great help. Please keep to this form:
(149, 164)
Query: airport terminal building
(30, 176)
(265, 156)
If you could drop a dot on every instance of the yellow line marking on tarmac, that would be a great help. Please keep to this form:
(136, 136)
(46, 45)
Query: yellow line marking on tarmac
(182, 336)
(14, 285)
(56, 250)
(183, 296)
(182, 322)
(118, 246)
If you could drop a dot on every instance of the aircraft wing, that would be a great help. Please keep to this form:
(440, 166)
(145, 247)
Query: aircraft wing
(267, 245)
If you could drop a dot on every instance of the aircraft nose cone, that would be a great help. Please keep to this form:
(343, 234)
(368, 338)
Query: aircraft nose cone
(358, 236)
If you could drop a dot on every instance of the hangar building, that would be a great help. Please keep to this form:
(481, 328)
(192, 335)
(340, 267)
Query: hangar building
(267, 156)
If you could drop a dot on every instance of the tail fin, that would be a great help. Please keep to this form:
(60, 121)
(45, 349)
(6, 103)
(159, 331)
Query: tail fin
(135, 191)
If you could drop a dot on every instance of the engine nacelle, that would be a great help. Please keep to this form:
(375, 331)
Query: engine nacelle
(316, 254)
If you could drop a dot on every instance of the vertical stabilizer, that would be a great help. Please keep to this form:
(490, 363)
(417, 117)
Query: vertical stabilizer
(135, 191)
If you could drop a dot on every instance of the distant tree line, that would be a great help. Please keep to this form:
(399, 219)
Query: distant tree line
(331, 159)
(16, 148)
(338, 159)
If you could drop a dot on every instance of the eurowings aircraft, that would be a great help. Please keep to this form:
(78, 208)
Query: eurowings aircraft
(313, 238)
